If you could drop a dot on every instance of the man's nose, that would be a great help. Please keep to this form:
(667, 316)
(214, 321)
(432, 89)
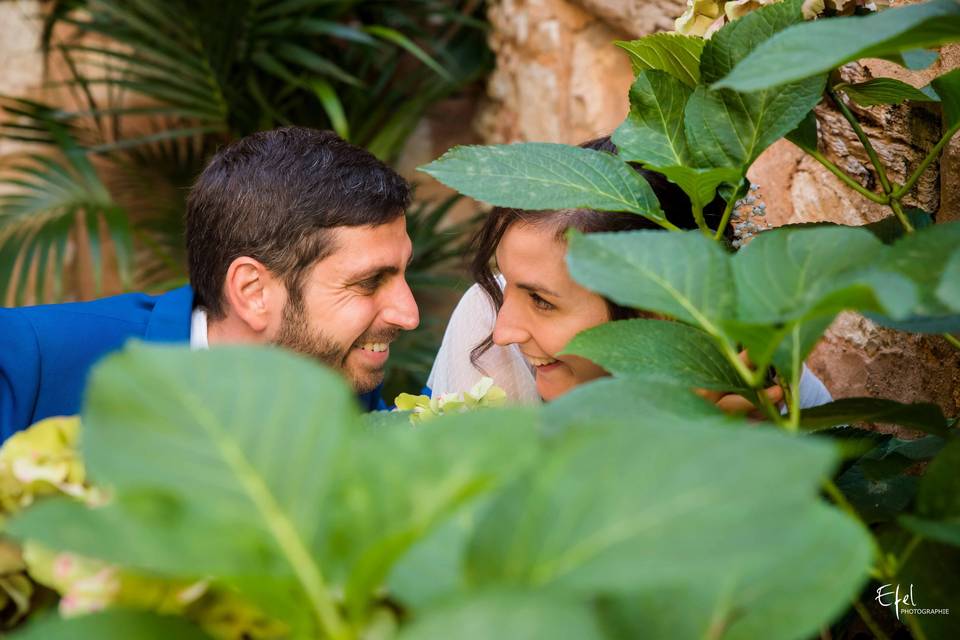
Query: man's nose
(508, 329)
(401, 309)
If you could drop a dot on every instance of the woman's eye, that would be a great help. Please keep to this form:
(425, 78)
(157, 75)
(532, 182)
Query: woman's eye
(540, 303)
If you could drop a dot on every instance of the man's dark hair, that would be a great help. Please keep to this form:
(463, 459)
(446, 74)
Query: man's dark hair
(274, 196)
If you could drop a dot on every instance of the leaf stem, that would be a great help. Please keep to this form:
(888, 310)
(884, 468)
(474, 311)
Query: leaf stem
(847, 180)
(869, 621)
(701, 223)
(898, 210)
(864, 140)
(728, 211)
(952, 340)
(927, 161)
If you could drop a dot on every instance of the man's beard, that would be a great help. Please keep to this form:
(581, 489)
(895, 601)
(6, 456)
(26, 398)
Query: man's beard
(296, 335)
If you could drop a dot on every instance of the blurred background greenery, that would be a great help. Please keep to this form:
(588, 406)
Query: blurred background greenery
(148, 89)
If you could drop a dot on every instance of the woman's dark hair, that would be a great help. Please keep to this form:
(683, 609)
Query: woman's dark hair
(673, 201)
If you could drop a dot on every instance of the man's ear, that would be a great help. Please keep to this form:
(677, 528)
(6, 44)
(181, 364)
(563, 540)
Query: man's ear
(252, 294)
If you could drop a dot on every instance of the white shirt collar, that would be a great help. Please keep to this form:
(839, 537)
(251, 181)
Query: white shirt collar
(198, 329)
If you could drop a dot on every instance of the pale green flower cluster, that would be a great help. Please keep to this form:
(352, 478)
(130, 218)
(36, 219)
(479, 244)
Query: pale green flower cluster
(704, 17)
(423, 408)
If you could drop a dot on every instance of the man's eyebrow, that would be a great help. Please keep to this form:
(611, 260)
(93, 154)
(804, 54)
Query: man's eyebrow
(374, 271)
(536, 288)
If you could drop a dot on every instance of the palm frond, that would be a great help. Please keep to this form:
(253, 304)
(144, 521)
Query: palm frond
(44, 199)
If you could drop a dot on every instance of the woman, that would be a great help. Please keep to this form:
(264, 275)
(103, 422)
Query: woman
(513, 325)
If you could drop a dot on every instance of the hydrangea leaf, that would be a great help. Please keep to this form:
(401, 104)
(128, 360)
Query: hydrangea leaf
(676, 54)
(653, 131)
(684, 275)
(883, 91)
(660, 350)
(727, 128)
(539, 175)
(811, 48)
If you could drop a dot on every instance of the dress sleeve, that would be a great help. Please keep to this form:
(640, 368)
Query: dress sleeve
(471, 322)
(813, 392)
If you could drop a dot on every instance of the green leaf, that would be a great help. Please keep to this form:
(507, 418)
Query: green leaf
(507, 613)
(917, 59)
(789, 599)
(395, 490)
(632, 520)
(653, 131)
(812, 48)
(700, 185)
(331, 104)
(921, 416)
(883, 91)
(793, 273)
(726, 128)
(654, 271)
(611, 399)
(110, 625)
(805, 135)
(947, 87)
(945, 530)
(948, 292)
(392, 35)
(791, 282)
(536, 175)
(258, 506)
(939, 493)
(658, 349)
(923, 257)
(673, 53)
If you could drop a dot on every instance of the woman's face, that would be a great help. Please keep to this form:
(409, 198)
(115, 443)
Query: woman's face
(543, 308)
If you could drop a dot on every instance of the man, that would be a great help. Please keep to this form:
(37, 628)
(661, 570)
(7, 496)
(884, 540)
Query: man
(294, 238)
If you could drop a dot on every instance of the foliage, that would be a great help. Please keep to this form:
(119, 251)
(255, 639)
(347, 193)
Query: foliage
(306, 511)
(700, 115)
(160, 84)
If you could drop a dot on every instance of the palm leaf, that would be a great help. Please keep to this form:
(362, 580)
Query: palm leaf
(43, 202)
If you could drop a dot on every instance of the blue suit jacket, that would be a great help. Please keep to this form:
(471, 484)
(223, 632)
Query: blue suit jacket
(46, 352)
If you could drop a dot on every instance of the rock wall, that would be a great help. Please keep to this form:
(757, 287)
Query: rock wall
(559, 78)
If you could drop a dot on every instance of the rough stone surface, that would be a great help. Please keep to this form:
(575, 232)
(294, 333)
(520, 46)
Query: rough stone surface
(21, 64)
(558, 78)
(636, 18)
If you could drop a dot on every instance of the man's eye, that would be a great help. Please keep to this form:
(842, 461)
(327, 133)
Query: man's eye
(540, 303)
(370, 284)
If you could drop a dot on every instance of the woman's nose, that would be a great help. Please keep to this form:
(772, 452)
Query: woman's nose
(509, 328)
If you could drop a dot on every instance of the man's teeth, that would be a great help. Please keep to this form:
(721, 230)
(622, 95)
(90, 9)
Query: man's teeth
(374, 346)
(539, 362)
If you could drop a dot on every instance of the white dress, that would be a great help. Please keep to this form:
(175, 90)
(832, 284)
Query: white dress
(472, 321)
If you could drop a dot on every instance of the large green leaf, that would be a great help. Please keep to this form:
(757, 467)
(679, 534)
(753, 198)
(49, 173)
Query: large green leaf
(947, 87)
(791, 282)
(921, 416)
(288, 492)
(924, 257)
(536, 175)
(938, 499)
(673, 53)
(811, 48)
(787, 600)
(509, 613)
(110, 625)
(883, 91)
(726, 128)
(653, 131)
(607, 399)
(633, 516)
(395, 488)
(684, 275)
(660, 350)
